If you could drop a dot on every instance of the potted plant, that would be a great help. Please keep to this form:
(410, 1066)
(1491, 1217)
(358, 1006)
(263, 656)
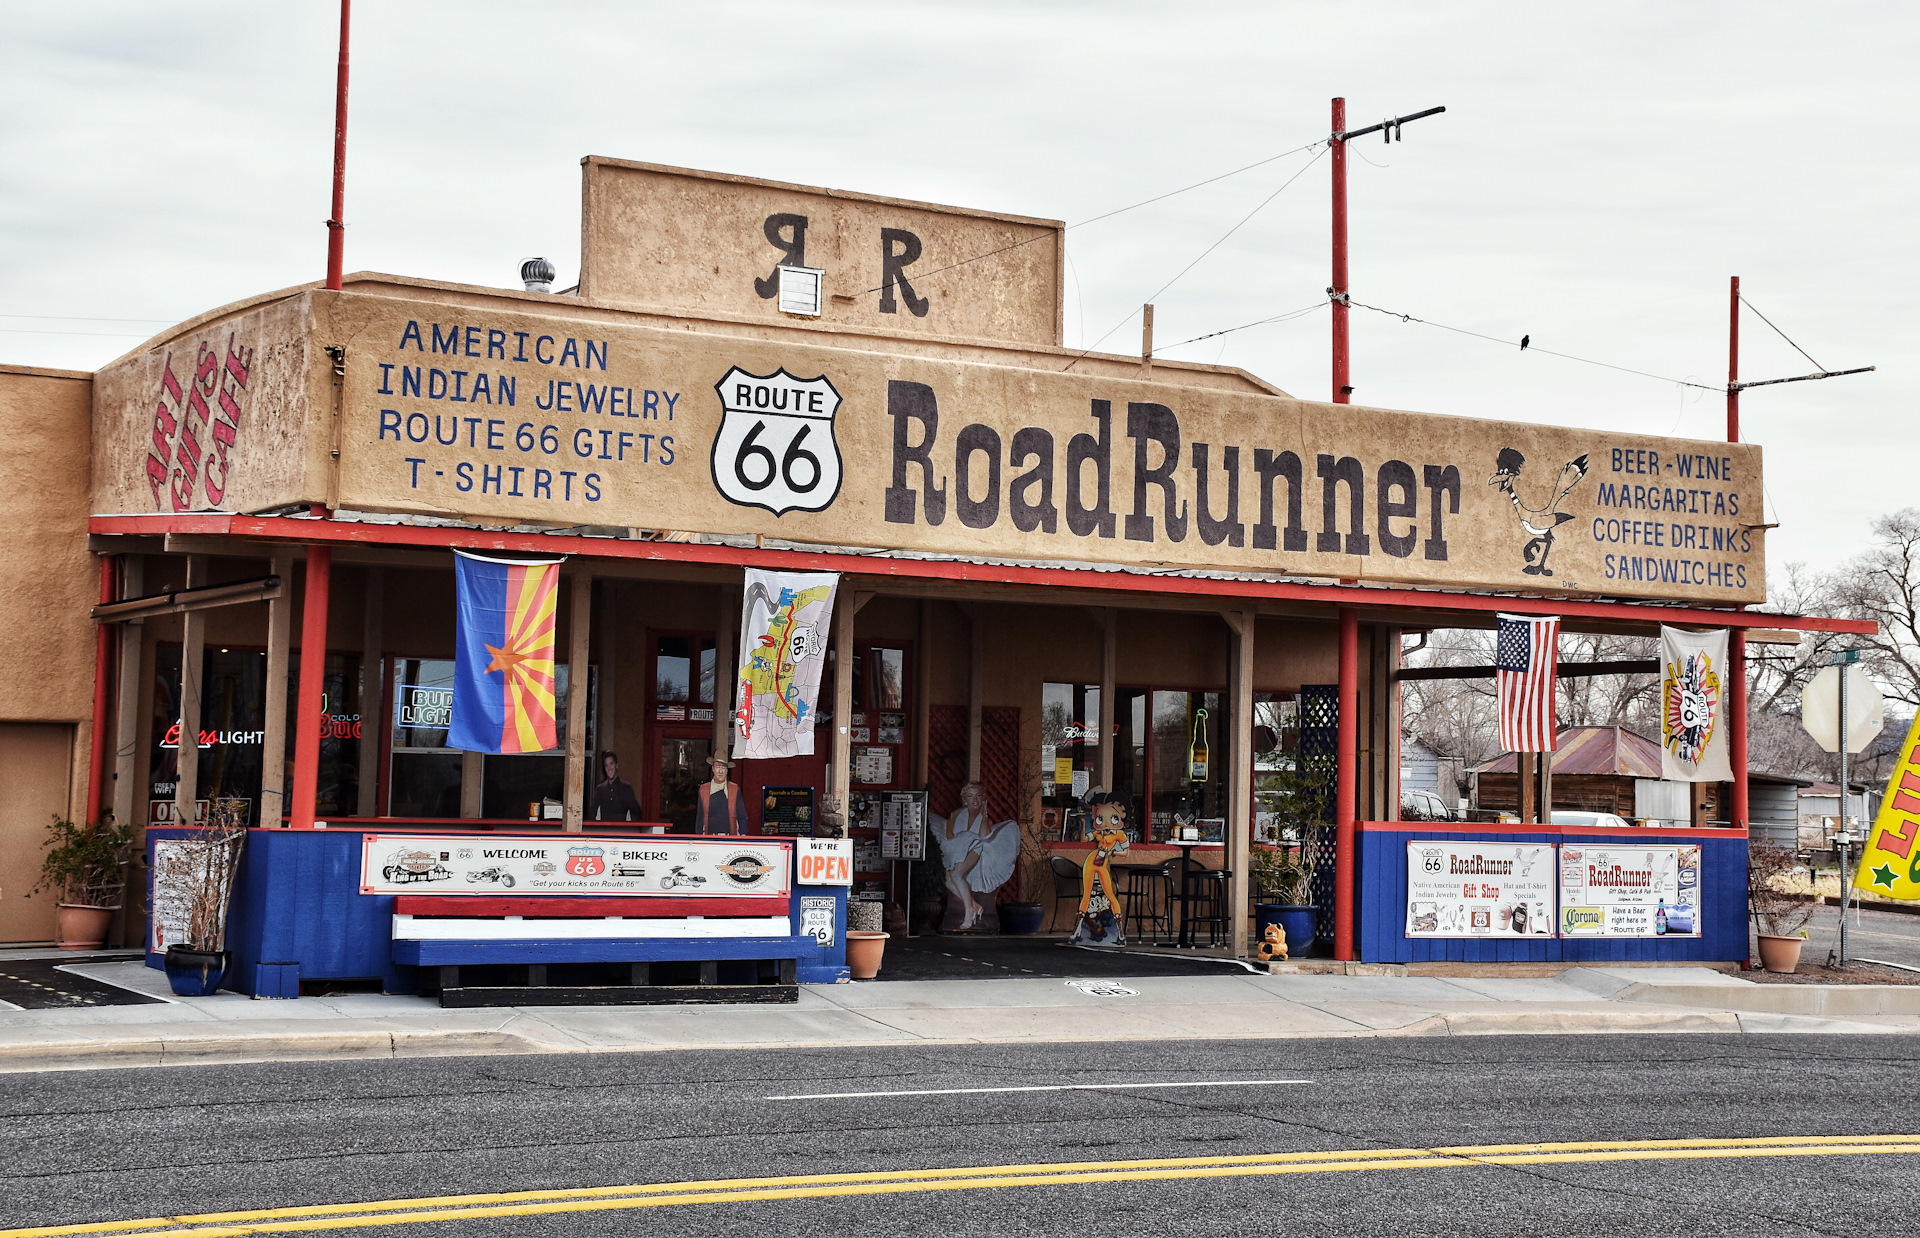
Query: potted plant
(1025, 914)
(197, 873)
(1779, 916)
(1281, 896)
(86, 866)
(1283, 892)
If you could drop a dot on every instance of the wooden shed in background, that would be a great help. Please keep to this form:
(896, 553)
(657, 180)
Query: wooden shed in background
(1605, 769)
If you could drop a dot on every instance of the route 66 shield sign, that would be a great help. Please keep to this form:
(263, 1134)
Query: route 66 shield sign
(775, 448)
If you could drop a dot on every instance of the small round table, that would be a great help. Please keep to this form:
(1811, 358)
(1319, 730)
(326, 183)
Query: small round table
(1185, 898)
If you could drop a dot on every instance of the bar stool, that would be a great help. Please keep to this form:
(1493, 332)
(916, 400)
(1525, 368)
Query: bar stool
(1209, 894)
(1145, 896)
(1066, 883)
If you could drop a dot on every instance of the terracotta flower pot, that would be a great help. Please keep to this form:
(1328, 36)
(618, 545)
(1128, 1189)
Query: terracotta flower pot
(1780, 954)
(863, 954)
(81, 927)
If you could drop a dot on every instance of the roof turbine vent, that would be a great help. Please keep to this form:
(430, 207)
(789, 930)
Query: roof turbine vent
(537, 274)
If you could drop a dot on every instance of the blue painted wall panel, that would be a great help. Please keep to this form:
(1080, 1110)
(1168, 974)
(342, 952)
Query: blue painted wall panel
(1381, 886)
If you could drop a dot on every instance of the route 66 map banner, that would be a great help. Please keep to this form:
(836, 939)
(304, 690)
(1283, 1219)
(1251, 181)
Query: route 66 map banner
(574, 864)
(783, 648)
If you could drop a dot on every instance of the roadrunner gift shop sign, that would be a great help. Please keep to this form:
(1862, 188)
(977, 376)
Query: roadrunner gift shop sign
(573, 864)
(492, 414)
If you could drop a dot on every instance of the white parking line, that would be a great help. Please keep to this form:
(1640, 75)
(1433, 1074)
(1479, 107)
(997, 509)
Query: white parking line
(1055, 1087)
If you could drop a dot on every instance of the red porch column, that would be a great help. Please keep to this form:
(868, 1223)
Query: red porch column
(1343, 795)
(1737, 724)
(313, 679)
(102, 664)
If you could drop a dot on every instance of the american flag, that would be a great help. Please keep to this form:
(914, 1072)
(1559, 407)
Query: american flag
(1525, 658)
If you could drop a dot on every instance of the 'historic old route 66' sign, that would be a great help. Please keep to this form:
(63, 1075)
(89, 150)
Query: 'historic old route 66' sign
(775, 448)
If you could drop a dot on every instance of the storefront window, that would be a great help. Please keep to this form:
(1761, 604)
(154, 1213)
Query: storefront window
(232, 727)
(1069, 750)
(683, 678)
(683, 767)
(425, 777)
(889, 672)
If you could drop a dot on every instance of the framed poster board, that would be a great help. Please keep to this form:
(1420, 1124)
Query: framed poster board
(903, 825)
(787, 811)
(1478, 889)
(1631, 891)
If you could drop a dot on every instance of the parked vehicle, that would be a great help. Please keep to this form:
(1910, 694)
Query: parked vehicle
(1424, 806)
(1590, 820)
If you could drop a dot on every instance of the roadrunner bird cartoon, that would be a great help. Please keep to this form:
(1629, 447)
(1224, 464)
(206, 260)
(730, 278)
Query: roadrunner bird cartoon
(1541, 521)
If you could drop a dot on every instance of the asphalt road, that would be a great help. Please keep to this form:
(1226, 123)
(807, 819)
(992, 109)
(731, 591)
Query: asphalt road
(1890, 936)
(97, 1146)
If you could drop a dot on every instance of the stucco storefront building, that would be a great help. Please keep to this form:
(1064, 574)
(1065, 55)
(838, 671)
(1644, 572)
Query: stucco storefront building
(1059, 570)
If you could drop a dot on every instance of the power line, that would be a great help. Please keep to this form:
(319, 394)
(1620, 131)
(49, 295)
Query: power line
(1681, 382)
(1782, 334)
(1154, 295)
(1286, 317)
(118, 335)
(1261, 163)
(87, 318)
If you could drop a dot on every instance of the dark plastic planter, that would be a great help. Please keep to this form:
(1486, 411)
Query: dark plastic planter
(196, 973)
(1298, 923)
(1021, 918)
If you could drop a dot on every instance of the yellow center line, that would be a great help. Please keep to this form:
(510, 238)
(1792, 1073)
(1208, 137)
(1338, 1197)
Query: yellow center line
(916, 1181)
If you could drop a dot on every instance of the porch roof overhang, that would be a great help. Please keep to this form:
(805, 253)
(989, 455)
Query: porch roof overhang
(896, 571)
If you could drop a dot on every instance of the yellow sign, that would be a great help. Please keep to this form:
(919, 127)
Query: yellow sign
(1890, 864)
(1063, 770)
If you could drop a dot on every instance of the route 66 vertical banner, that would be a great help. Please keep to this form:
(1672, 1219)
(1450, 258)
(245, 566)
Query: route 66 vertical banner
(1693, 695)
(783, 646)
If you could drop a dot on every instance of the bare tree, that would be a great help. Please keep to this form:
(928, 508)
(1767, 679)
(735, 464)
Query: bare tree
(1883, 585)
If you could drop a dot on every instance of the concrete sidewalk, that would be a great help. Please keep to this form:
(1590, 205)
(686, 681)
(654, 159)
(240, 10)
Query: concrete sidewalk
(231, 1028)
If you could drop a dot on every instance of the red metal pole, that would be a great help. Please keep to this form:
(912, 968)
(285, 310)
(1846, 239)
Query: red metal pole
(1343, 795)
(1342, 388)
(1737, 812)
(313, 678)
(336, 223)
(102, 661)
(1733, 363)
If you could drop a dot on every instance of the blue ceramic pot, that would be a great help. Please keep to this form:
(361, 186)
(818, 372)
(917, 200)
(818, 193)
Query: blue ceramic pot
(196, 973)
(1299, 924)
(1021, 917)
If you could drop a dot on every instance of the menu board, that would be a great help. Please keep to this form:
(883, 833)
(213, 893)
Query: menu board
(787, 811)
(1479, 889)
(1630, 891)
(903, 826)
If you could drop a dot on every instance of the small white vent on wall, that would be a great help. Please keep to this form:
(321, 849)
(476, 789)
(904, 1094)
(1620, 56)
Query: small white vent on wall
(800, 289)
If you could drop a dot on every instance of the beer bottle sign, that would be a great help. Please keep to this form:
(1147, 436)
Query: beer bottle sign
(1197, 748)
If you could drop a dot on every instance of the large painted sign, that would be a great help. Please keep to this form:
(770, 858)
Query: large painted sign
(498, 415)
(1629, 891)
(713, 244)
(574, 864)
(1479, 889)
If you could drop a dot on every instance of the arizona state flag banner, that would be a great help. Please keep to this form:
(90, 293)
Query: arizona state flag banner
(503, 655)
(1693, 732)
(1890, 863)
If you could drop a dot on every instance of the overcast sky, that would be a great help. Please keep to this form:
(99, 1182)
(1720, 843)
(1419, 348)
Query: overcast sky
(1597, 177)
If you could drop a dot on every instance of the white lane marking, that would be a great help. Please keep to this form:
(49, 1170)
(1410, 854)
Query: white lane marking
(1055, 1087)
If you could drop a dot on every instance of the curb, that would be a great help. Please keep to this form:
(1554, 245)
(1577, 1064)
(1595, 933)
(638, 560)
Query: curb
(187, 1050)
(154, 1051)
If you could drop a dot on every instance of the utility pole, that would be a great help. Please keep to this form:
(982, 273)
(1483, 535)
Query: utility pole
(1390, 132)
(1738, 810)
(336, 224)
